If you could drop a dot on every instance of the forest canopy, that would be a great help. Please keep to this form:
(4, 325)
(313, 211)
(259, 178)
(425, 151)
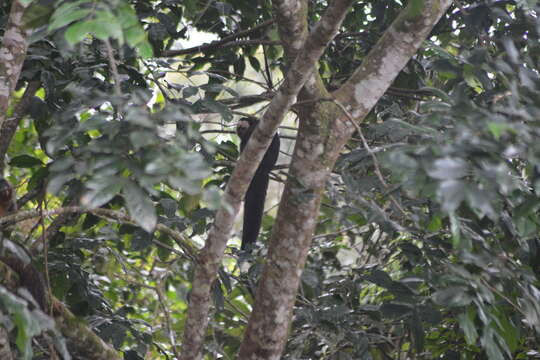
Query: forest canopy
(402, 216)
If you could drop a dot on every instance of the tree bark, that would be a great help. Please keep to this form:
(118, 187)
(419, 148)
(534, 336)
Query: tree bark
(321, 137)
(12, 55)
(211, 255)
(5, 348)
(82, 341)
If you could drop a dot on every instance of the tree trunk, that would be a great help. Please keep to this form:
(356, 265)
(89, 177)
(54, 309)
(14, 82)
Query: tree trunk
(12, 55)
(321, 137)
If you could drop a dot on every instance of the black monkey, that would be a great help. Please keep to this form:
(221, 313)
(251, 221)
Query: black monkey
(256, 193)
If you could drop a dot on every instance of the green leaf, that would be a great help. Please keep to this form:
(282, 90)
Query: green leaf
(103, 27)
(395, 310)
(59, 22)
(101, 191)
(190, 91)
(448, 168)
(435, 224)
(480, 200)
(452, 296)
(106, 26)
(169, 207)
(28, 323)
(417, 331)
(141, 240)
(498, 129)
(255, 64)
(140, 207)
(217, 107)
(77, 32)
(145, 49)
(25, 161)
(68, 7)
(380, 278)
(162, 252)
(451, 193)
(57, 181)
(466, 323)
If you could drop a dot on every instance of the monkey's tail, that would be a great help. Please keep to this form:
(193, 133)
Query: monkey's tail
(254, 208)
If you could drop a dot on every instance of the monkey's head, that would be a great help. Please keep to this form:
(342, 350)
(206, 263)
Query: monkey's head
(245, 127)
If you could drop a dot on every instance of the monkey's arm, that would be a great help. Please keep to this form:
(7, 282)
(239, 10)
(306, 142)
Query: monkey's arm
(256, 193)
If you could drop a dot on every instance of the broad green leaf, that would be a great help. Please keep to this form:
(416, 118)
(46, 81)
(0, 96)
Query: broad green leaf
(451, 193)
(25, 161)
(448, 168)
(452, 296)
(466, 323)
(140, 207)
(78, 31)
(101, 191)
(58, 22)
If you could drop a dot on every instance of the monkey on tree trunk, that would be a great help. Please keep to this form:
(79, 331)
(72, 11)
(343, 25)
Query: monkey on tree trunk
(29, 277)
(256, 193)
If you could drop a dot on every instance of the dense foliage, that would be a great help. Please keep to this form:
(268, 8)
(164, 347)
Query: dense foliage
(427, 243)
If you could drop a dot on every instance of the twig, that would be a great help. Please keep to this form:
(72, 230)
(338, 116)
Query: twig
(202, 12)
(371, 153)
(168, 324)
(114, 69)
(335, 233)
(225, 42)
(492, 288)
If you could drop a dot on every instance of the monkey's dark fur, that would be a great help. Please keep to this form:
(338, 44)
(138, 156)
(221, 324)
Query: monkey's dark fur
(256, 193)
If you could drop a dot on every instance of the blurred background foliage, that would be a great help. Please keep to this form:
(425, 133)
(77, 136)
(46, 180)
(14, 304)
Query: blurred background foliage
(427, 244)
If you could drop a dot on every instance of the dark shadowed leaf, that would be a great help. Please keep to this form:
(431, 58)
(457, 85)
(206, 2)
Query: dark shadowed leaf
(25, 161)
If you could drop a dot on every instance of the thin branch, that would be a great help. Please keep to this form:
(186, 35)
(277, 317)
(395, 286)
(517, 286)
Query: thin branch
(225, 42)
(372, 154)
(340, 231)
(168, 322)
(202, 12)
(114, 69)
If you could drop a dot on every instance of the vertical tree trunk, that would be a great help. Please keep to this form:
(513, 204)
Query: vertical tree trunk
(322, 134)
(211, 255)
(12, 55)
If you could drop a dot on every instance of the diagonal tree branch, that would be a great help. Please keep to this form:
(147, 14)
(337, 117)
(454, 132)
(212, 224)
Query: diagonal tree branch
(211, 255)
(389, 55)
(321, 136)
(291, 18)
